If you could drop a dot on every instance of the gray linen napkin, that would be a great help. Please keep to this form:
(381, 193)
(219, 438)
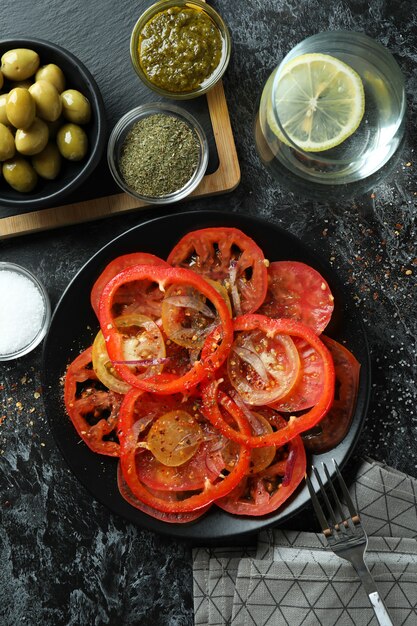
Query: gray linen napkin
(292, 578)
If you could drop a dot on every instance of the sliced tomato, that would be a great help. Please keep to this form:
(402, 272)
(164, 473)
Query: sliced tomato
(335, 424)
(104, 368)
(205, 464)
(187, 317)
(174, 437)
(184, 501)
(142, 297)
(298, 291)
(175, 451)
(265, 491)
(171, 518)
(228, 256)
(295, 424)
(93, 411)
(309, 387)
(164, 277)
(260, 458)
(143, 351)
(263, 368)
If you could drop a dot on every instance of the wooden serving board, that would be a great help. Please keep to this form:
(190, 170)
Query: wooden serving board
(225, 178)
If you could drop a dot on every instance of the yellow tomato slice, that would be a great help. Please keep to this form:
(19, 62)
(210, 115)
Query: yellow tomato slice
(174, 438)
(143, 350)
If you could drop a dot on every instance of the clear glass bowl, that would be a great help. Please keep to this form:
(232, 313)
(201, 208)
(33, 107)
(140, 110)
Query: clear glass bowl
(162, 5)
(122, 128)
(41, 331)
(363, 159)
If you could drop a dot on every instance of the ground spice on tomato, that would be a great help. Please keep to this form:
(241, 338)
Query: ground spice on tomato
(159, 155)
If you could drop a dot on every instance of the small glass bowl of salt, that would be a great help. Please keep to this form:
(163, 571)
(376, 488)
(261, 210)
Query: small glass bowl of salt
(25, 311)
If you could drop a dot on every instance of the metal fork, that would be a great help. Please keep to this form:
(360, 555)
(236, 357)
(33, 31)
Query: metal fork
(346, 536)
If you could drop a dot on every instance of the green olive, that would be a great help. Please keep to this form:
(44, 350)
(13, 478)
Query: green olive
(20, 174)
(75, 107)
(32, 140)
(20, 108)
(48, 102)
(48, 162)
(72, 142)
(3, 115)
(53, 74)
(19, 64)
(7, 147)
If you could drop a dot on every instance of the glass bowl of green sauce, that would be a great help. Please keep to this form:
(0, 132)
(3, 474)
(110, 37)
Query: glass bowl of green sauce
(180, 48)
(158, 153)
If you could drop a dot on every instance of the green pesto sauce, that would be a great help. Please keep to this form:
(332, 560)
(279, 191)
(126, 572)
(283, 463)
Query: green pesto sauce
(180, 48)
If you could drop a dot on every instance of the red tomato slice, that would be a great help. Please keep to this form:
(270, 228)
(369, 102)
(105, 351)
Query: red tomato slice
(164, 277)
(295, 425)
(309, 387)
(184, 502)
(93, 412)
(336, 422)
(187, 477)
(299, 292)
(227, 256)
(186, 316)
(267, 490)
(143, 297)
(171, 518)
(263, 368)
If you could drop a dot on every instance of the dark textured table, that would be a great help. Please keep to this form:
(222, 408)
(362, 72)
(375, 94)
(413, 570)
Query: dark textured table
(64, 558)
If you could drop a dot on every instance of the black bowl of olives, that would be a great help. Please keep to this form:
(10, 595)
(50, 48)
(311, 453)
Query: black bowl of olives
(52, 124)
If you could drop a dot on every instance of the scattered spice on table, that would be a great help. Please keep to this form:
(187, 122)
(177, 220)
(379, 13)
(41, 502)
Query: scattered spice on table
(159, 155)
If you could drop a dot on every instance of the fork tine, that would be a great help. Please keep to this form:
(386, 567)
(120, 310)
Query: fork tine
(330, 511)
(317, 507)
(339, 512)
(354, 514)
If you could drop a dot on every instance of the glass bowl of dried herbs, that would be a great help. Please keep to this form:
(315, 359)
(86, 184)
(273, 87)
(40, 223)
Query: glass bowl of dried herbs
(158, 153)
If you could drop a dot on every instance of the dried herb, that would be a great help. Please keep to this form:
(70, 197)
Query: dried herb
(159, 155)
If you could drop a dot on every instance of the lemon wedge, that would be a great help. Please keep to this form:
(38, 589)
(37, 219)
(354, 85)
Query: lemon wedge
(320, 102)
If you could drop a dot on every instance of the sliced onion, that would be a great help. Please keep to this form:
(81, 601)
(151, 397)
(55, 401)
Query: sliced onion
(219, 442)
(254, 360)
(191, 303)
(193, 440)
(144, 362)
(138, 427)
(289, 468)
(257, 426)
(233, 288)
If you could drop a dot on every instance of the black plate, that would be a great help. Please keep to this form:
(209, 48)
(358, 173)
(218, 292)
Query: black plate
(74, 326)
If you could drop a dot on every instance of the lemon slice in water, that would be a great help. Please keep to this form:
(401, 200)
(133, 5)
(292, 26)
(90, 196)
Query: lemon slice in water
(320, 102)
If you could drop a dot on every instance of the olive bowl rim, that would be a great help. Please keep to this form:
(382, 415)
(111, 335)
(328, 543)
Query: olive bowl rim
(44, 199)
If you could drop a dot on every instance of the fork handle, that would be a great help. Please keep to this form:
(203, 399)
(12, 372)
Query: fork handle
(368, 582)
(380, 609)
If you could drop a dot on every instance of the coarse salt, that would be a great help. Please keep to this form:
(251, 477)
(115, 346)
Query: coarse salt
(22, 311)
